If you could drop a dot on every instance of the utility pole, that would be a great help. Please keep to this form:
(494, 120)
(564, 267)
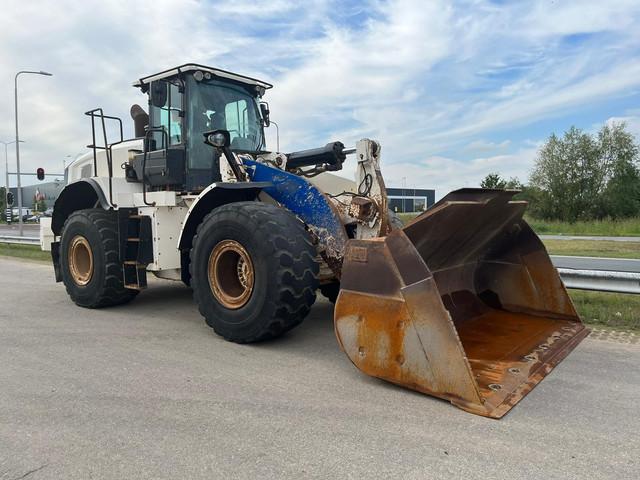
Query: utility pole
(17, 142)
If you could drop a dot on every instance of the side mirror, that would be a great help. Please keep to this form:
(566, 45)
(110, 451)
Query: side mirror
(40, 173)
(264, 110)
(158, 93)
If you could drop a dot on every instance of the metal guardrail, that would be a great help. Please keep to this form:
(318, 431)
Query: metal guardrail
(19, 240)
(620, 275)
(623, 280)
(601, 280)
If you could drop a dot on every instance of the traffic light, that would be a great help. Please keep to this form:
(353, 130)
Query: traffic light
(40, 173)
(9, 199)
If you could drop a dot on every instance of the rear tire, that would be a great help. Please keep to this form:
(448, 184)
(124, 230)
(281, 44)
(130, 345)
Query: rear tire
(253, 271)
(90, 259)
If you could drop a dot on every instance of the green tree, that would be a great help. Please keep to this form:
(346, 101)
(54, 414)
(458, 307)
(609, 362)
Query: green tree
(582, 176)
(621, 196)
(514, 184)
(532, 196)
(39, 205)
(493, 180)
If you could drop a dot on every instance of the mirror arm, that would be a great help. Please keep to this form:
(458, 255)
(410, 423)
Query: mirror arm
(237, 171)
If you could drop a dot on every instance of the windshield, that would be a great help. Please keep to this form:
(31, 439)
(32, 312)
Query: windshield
(217, 105)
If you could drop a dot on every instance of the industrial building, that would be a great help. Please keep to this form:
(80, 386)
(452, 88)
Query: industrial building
(47, 191)
(409, 200)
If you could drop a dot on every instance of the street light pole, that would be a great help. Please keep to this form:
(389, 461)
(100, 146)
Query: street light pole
(17, 142)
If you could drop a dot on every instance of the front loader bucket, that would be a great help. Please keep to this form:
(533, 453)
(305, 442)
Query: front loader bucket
(463, 304)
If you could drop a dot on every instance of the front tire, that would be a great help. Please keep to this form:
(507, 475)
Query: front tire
(90, 259)
(253, 271)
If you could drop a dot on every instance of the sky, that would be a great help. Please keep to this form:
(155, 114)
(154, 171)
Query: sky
(452, 90)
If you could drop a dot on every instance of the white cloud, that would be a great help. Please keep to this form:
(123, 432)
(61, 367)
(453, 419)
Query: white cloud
(430, 80)
(486, 146)
(354, 76)
(579, 16)
(631, 121)
(446, 174)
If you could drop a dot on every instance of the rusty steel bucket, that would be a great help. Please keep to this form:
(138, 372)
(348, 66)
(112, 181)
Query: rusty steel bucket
(463, 303)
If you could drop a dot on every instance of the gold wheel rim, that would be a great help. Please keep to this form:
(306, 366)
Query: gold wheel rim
(231, 274)
(80, 260)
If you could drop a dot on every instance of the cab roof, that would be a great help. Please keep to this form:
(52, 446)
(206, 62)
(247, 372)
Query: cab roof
(190, 67)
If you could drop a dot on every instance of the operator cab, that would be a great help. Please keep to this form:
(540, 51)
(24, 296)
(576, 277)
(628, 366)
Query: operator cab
(185, 102)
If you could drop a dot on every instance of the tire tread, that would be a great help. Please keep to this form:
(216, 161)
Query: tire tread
(113, 291)
(297, 272)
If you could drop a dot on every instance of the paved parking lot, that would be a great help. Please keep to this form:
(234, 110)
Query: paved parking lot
(147, 390)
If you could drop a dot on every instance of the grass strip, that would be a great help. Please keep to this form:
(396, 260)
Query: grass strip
(31, 252)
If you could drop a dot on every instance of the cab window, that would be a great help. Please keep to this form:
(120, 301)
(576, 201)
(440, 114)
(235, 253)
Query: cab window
(168, 117)
(236, 116)
(216, 105)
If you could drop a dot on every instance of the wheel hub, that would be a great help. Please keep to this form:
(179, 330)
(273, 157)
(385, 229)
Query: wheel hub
(231, 274)
(80, 260)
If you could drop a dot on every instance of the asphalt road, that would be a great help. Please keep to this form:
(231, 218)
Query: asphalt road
(596, 263)
(149, 391)
(30, 229)
(590, 237)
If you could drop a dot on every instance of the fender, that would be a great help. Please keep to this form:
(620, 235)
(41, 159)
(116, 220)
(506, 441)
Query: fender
(213, 196)
(314, 208)
(81, 194)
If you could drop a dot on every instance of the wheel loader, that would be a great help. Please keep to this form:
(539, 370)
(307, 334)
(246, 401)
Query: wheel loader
(462, 303)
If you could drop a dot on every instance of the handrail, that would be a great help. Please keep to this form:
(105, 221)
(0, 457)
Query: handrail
(110, 156)
(145, 153)
(98, 112)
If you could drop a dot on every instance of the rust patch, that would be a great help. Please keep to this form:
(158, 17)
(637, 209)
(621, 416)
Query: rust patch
(357, 254)
(463, 304)
(363, 209)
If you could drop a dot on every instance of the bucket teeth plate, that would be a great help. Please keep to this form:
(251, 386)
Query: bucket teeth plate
(463, 304)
